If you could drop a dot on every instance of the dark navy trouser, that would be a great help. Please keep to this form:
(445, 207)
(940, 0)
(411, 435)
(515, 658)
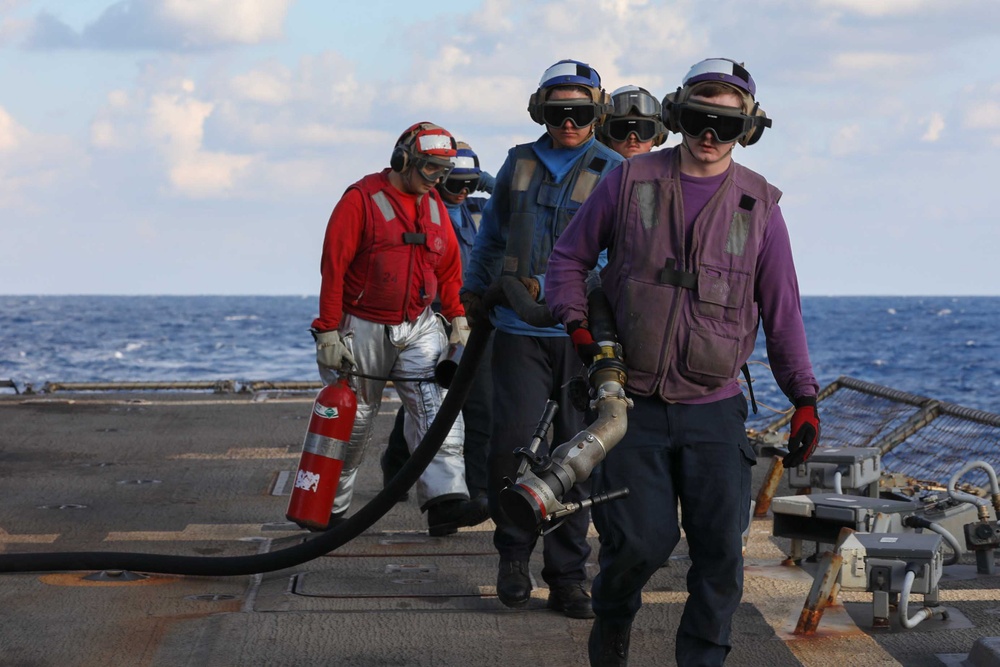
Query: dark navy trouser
(527, 372)
(699, 456)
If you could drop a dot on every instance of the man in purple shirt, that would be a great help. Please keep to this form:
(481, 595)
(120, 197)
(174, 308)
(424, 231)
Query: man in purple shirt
(698, 255)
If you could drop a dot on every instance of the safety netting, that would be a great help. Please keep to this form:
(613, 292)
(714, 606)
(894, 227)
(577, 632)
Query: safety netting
(920, 437)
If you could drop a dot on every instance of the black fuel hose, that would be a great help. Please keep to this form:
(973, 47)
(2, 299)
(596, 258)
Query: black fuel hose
(509, 291)
(291, 556)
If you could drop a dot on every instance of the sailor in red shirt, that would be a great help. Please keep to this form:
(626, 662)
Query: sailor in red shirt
(389, 251)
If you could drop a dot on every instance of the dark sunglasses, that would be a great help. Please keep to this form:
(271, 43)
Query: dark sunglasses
(457, 185)
(555, 114)
(643, 128)
(727, 124)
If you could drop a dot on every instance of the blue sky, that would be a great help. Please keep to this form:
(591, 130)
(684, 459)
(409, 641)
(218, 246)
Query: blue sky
(198, 146)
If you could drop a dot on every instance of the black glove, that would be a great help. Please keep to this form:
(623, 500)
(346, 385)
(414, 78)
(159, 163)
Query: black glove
(475, 311)
(804, 434)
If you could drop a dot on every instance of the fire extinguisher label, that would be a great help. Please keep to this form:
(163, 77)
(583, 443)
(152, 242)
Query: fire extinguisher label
(325, 412)
(306, 480)
(320, 445)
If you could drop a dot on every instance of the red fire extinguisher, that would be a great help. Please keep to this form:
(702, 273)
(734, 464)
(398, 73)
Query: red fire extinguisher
(323, 454)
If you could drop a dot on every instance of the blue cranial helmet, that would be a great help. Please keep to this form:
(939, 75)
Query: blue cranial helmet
(466, 161)
(733, 75)
(721, 70)
(570, 73)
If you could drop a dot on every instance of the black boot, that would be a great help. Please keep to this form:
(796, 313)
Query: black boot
(570, 599)
(513, 583)
(447, 516)
(608, 643)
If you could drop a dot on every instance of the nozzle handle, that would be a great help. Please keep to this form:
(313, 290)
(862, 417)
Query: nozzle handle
(572, 508)
(541, 432)
(605, 497)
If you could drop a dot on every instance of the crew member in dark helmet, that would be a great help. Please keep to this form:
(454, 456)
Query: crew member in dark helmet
(389, 251)
(538, 190)
(698, 256)
(633, 127)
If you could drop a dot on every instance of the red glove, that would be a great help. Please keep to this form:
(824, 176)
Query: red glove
(804, 434)
(583, 341)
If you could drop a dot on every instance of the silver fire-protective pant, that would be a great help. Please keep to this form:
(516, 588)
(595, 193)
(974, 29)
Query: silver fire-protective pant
(407, 350)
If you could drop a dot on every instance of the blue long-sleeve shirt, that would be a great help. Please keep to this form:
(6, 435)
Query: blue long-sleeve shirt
(487, 255)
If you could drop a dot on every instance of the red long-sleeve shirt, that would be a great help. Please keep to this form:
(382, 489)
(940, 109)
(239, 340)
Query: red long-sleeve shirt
(354, 245)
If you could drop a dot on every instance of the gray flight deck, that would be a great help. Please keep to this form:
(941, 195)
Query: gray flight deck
(204, 474)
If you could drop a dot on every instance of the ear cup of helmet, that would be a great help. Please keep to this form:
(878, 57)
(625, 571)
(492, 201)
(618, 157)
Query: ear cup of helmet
(399, 159)
(535, 106)
(604, 106)
(667, 110)
(760, 121)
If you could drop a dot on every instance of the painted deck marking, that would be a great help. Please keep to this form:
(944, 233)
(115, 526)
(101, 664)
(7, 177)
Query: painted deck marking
(7, 538)
(241, 453)
(195, 532)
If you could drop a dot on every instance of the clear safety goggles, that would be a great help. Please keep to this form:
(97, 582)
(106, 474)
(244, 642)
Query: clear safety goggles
(433, 170)
(645, 129)
(727, 124)
(635, 103)
(458, 184)
(581, 113)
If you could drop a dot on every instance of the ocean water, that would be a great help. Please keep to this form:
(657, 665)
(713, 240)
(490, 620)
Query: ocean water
(942, 347)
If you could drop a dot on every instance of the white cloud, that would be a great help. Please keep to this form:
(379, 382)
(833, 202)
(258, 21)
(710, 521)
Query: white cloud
(267, 87)
(11, 134)
(326, 83)
(176, 123)
(489, 77)
(167, 121)
(226, 21)
(846, 141)
(12, 28)
(177, 120)
(204, 174)
(879, 7)
(983, 116)
(493, 17)
(183, 25)
(34, 166)
(102, 134)
(620, 9)
(876, 65)
(935, 126)
(105, 130)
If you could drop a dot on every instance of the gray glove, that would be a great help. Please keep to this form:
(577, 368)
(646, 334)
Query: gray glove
(460, 330)
(331, 351)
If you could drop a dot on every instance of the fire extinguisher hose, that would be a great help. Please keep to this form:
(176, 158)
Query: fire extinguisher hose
(300, 553)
